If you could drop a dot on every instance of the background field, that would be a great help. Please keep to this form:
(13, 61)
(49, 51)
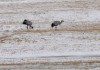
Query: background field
(74, 45)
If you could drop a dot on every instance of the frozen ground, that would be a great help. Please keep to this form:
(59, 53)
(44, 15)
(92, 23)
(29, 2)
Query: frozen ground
(53, 43)
(77, 38)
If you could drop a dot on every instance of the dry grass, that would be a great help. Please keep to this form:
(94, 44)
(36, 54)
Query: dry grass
(46, 62)
(78, 28)
(3, 38)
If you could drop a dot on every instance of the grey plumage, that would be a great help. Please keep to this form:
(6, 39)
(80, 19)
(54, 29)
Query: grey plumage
(56, 23)
(28, 23)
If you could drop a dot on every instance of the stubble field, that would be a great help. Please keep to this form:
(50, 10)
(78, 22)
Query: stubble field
(75, 45)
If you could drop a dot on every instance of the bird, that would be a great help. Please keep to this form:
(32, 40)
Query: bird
(28, 23)
(56, 23)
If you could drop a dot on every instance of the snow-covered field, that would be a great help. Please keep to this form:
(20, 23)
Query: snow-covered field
(76, 38)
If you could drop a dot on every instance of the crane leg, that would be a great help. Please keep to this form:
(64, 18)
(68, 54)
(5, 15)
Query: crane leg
(31, 27)
(55, 28)
(27, 26)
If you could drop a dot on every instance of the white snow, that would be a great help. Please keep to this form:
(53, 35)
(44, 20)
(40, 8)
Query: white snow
(51, 44)
(73, 15)
(67, 15)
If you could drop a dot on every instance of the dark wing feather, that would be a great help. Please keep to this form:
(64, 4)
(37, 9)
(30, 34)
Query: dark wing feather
(56, 23)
